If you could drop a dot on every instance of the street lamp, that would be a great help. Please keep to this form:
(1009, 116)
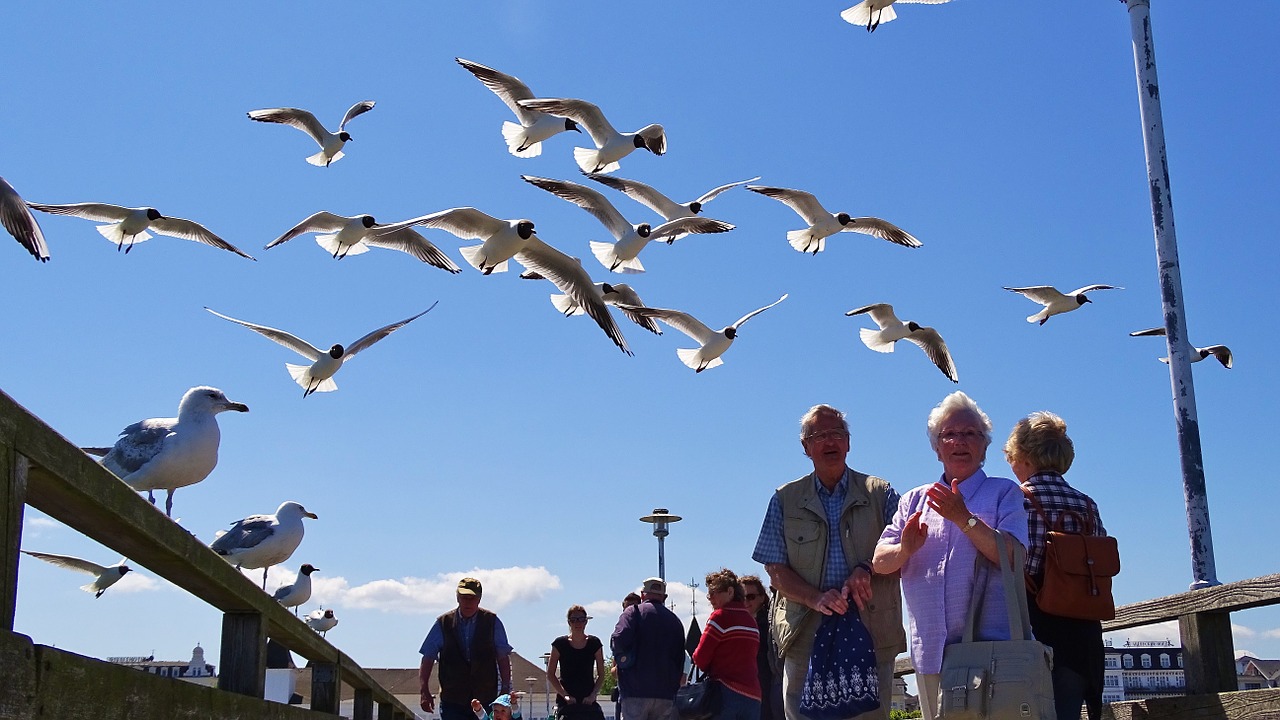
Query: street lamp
(529, 703)
(546, 664)
(661, 519)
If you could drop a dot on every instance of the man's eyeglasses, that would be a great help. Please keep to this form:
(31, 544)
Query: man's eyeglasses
(824, 435)
(965, 436)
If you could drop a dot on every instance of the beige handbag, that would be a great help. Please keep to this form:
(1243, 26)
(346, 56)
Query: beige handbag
(998, 679)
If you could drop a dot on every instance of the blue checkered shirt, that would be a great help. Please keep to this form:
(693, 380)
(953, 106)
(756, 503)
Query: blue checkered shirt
(771, 546)
(1055, 496)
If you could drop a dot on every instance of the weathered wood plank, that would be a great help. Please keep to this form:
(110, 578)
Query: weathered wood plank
(326, 687)
(362, 705)
(1245, 705)
(386, 711)
(1241, 595)
(13, 493)
(1206, 639)
(243, 656)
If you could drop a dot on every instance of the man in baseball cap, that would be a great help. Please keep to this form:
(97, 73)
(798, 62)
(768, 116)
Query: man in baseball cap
(471, 646)
(651, 662)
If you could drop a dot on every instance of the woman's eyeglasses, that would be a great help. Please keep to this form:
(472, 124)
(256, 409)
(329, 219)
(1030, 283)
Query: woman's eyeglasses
(578, 618)
(752, 596)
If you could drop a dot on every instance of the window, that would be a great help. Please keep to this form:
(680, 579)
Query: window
(1128, 661)
(1146, 660)
(1113, 662)
(1164, 660)
(1113, 681)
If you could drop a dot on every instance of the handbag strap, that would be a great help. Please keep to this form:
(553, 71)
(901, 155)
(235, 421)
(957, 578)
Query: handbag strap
(1020, 619)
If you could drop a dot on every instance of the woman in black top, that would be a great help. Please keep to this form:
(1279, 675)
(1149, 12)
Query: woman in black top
(576, 670)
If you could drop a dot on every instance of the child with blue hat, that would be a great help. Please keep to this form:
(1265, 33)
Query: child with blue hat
(503, 707)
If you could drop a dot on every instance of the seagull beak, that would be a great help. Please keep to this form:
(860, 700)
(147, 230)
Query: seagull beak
(311, 515)
(238, 407)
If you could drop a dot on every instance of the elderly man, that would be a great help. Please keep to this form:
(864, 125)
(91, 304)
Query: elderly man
(648, 646)
(471, 645)
(937, 534)
(817, 542)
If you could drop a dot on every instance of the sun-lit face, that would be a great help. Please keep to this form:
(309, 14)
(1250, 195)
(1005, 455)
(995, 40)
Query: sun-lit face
(501, 712)
(826, 442)
(962, 445)
(755, 597)
(719, 598)
(468, 604)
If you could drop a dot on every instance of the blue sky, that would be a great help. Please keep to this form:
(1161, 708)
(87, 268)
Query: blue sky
(495, 438)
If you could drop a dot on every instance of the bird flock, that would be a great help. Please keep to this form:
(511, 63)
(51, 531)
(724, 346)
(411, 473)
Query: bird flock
(170, 453)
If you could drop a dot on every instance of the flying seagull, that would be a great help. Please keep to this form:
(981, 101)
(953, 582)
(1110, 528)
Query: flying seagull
(260, 541)
(713, 343)
(524, 139)
(666, 207)
(1054, 302)
(567, 274)
(17, 219)
(318, 376)
(502, 238)
(130, 225)
(621, 256)
(615, 294)
(1221, 353)
(105, 577)
(322, 621)
(299, 591)
(330, 143)
(169, 453)
(892, 330)
(823, 224)
(355, 235)
(611, 145)
(870, 13)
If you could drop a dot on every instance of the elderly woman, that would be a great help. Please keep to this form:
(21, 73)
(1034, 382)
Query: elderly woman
(1040, 452)
(576, 669)
(938, 532)
(727, 650)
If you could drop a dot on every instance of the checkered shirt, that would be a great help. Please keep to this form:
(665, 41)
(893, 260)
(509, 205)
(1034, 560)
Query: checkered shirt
(1055, 496)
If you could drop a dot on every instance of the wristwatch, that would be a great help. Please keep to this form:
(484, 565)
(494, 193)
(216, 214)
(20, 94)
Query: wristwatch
(970, 524)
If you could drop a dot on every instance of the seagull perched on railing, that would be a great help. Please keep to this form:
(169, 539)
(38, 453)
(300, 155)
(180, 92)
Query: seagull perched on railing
(299, 592)
(105, 576)
(330, 143)
(322, 621)
(169, 453)
(260, 541)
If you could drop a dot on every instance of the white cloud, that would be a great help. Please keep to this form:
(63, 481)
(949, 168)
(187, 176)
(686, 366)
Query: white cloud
(134, 582)
(425, 596)
(1273, 633)
(1242, 631)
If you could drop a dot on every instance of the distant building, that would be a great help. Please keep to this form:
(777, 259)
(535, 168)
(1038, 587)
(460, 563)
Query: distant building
(195, 670)
(1255, 674)
(901, 699)
(1142, 670)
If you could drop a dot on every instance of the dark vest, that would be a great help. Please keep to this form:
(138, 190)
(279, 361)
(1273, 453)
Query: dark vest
(460, 680)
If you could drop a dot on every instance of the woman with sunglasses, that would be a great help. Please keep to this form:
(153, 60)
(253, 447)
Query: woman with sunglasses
(576, 670)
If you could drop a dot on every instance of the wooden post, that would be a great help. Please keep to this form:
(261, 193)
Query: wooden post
(1210, 657)
(326, 684)
(386, 711)
(243, 659)
(13, 498)
(362, 706)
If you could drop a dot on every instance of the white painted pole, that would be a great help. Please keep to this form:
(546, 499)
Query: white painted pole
(1203, 569)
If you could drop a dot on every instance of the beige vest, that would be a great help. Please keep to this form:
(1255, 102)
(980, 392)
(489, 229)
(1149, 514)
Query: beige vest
(804, 526)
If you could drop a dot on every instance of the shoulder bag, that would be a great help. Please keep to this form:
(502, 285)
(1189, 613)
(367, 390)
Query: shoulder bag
(1078, 567)
(998, 679)
(698, 699)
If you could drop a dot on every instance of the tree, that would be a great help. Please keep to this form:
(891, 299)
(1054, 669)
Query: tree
(610, 679)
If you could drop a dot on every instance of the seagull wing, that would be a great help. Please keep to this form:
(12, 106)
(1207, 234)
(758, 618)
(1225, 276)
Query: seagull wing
(568, 275)
(408, 241)
(188, 230)
(319, 222)
(293, 117)
(624, 295)
(696, 224)
(710, 195)
(1043, 294)
(138, 444)
(293, 342)
(1091, 288)
(643, 194)
(1221, 352)
(805, 204)
(682, 321)
(931, 342)
(101, 212)
(382, 332)
(579, 111)
(17, 219)
(69, 562)
(881, 313)
(587, 199)
(508, 88)
(882, 229)
(245, 533)
(754, 313)
(1149, 332)
(359, 108)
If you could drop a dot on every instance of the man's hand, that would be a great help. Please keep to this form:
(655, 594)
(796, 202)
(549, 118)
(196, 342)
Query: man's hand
(427, 701)
(858, 587)
(833, 601)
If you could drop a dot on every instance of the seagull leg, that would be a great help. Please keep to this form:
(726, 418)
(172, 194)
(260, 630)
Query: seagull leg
(168, 504)
(151, 496)
(264, 577)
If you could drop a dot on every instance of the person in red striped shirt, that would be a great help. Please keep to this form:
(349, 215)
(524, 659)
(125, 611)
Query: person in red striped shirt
(727, 650)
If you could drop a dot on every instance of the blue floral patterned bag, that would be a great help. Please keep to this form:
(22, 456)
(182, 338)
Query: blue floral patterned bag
(842, 679)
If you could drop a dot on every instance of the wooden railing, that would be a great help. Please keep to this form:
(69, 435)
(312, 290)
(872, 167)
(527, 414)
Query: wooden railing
(40, 468)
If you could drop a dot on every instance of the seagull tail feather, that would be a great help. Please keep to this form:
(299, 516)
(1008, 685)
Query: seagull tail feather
(115, 234)
(860, 14)
(516, 139)
(331, 245)
(566, 305)
(301, 374)
(471, 253)
(804, 242)
(871, 338)
(321, 160)
(588, 160)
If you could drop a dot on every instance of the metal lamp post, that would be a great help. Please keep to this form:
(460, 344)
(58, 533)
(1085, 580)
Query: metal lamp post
(546, 663)
(661, 521)
(531, 680)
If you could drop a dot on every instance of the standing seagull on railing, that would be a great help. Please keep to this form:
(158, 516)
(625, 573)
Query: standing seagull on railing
(105, 576)
(330, 143)
(299, 592)
(169, 453)
(322, 621)
(260, 541)
(17, 219)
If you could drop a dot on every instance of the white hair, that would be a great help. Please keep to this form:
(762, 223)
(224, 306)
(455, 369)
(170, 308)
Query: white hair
(953, 404)
(809, 418)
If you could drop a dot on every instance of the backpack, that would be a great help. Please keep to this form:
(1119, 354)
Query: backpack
(1077, 568)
